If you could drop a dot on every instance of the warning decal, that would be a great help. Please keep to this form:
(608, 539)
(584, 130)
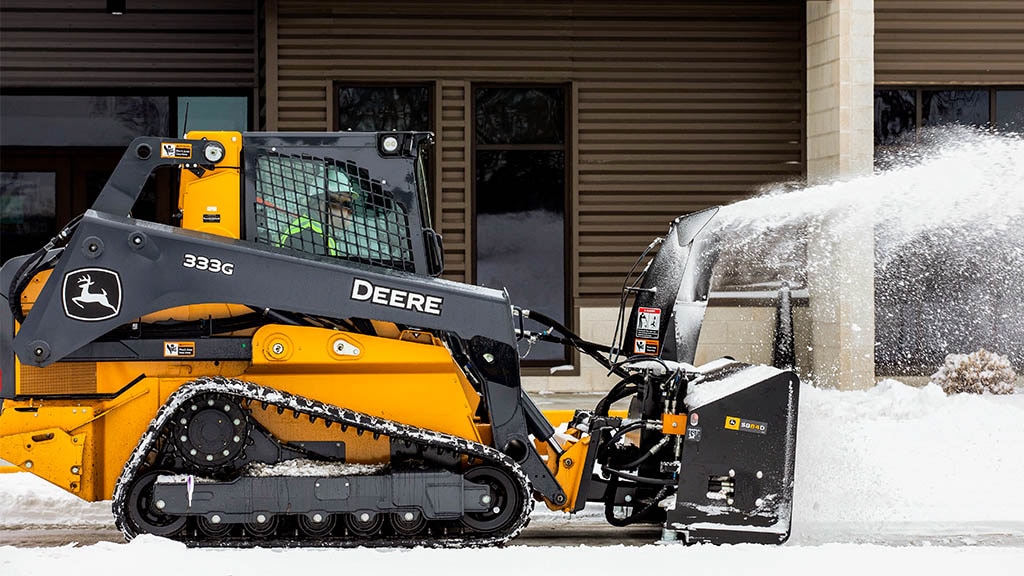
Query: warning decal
(179, 349)
(648, 323)
(641, 346)
(175, 150)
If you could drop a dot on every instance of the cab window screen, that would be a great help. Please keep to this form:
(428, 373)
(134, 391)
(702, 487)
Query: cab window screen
(324, 207)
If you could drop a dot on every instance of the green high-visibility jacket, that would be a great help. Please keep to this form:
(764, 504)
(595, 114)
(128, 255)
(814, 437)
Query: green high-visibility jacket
(307, 235)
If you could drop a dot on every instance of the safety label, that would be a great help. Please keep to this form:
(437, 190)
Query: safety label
(179, 349)
(641, 346)
(648, 323)
(741, 425)
(175, 150)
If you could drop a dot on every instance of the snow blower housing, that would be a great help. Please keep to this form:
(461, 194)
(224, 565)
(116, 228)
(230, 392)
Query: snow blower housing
(285, 368)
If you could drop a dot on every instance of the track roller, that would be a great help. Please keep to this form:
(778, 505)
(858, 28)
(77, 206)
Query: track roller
(364, 524)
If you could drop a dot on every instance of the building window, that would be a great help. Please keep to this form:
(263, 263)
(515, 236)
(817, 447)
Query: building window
(520, 200)
(383, 108)
(965, 107)
(1010, 110)
(93, 121)
(901, 113)
(895, 116)
(28, 204)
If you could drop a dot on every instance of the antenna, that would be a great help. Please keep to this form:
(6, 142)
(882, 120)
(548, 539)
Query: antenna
(184, 123)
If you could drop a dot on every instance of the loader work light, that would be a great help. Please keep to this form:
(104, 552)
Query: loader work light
(389, 144)
(214, 152)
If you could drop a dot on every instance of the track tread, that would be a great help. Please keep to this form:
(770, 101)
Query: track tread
(247, 392)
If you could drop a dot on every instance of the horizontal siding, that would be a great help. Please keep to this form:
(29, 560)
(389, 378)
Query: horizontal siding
(155, 44)
(453, 179)
(949, 42)
(681, 105)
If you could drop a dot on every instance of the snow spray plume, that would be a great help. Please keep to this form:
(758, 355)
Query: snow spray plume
(947, 223)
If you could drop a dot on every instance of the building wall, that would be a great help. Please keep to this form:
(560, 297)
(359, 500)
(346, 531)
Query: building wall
(677, 105)
(155, 44)
(949, 42)
(841, 313)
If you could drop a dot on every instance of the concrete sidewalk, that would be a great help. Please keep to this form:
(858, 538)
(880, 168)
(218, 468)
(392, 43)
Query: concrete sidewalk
(566, 400)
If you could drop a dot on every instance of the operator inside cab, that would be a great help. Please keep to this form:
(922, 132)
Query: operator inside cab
(330, 213)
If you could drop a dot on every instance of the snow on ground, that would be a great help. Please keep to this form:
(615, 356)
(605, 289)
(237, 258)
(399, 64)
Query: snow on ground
(889, 480)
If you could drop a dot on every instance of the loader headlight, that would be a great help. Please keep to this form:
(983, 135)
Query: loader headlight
(389, 144)
(214, 152)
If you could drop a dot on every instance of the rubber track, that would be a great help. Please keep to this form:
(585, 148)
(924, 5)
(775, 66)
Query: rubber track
(248, 391)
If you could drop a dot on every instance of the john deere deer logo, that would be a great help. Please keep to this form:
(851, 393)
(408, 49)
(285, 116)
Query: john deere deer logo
(92, 294)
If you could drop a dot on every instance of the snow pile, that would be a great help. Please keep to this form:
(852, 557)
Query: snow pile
(895, 458)
(29, 500)
(975, 373)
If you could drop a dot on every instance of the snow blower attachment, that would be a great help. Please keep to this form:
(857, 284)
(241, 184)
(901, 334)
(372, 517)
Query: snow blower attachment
(285, 369)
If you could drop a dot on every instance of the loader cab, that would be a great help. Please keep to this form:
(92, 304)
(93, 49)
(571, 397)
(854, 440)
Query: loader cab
(353, 196)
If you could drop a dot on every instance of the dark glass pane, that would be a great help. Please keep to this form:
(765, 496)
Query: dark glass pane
(212, 113)
(894, 116)
(969, 107)
(520, 231)
(520, 115)
(377, 108)
(27, 212)
(1010, 110)
(81, 120)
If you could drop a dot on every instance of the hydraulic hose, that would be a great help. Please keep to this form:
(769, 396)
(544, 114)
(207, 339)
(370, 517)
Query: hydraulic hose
(626, 387)
(589, 348)
(34, 262)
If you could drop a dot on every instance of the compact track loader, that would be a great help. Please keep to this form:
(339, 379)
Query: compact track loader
(285, 368)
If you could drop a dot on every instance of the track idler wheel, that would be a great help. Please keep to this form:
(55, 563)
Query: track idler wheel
(144, 515)
(503, 500)
(364, 524)
(210, 432)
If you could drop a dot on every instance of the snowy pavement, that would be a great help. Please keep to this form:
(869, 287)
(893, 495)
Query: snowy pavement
(889, 480)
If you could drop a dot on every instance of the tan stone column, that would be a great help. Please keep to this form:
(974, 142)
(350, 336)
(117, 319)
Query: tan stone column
(840, 146)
